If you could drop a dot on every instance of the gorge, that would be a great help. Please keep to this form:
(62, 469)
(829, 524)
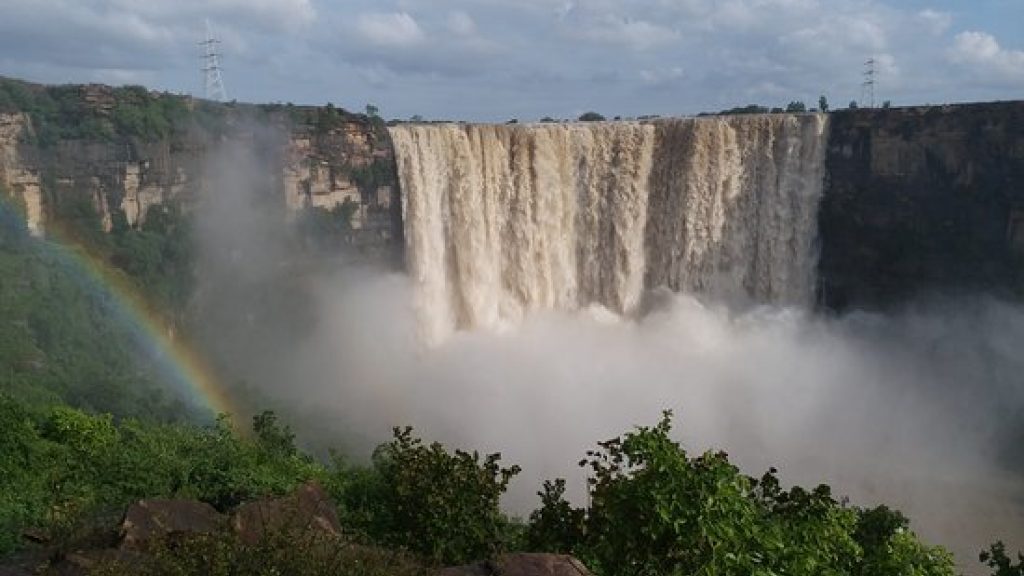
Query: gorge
(780, 280)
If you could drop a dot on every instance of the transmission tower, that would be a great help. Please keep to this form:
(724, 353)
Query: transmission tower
(868, 86)
(211, 67)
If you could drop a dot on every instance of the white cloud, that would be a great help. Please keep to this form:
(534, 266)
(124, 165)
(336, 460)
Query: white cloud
(934, 21)
(265, 14)
(982, 52)
(635, 34)
(661, 76)
(395, 29)
(461, 24)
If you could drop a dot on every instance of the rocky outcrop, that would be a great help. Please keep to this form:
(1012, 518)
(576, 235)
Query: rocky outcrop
(147, 521)
(348, 159)
(521, 564)
(920, 200)
(20, 182)
(306, 510)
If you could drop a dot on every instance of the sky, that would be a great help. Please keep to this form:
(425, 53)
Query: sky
(494, 60)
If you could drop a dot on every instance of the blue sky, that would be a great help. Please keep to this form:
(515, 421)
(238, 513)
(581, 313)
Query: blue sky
(501, 59)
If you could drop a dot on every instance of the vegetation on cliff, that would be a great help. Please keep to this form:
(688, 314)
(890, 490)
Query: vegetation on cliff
(72, 112)
(63, 338)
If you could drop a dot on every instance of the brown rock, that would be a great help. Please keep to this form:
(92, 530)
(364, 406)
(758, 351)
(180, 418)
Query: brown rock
(522, 564)
(149, 520)
(306, 509)
(83, 563)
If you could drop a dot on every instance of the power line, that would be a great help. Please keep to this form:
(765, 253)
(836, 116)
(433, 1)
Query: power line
(211, 69)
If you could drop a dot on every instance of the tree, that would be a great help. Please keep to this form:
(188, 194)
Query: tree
(591, 117)
(823, 103)
(372, 111)
(653, 509)
(853, 104)
(1000, 562)
(796, 106)
(886, 105)
(442, 505)
(273, 437)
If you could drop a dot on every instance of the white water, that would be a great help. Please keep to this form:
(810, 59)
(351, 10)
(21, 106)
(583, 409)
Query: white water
(504, 220)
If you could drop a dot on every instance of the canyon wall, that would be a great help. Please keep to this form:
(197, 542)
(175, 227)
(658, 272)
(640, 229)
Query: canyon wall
(319, 158)
(17, 179)
(920, 201)
(506, 219)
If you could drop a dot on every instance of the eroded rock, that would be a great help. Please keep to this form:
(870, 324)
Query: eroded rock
(149, 520)
(307, 509)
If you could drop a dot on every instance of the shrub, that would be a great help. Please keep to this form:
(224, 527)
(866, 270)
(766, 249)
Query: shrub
(1000, 562)
(444, 506)
(60, 469)
(655, 510)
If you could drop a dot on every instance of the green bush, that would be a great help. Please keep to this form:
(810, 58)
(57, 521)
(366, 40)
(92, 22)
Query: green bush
(1000, 562)
(655, 510)
(380, 172)
(61, 467)
(326, 229)
(159, 257)
(444, 506)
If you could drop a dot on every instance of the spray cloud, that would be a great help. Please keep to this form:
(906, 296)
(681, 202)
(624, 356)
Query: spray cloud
(918, 409)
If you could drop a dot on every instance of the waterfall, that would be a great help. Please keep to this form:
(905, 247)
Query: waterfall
(504, 220)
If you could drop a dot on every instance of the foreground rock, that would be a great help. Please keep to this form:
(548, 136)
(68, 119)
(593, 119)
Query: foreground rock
(522, 564)
(84, 562)
(151, 520)
(308, 509)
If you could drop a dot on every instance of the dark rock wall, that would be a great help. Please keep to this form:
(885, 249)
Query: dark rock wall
(922, 200)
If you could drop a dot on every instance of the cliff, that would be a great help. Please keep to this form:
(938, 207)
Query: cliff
(915, 200)
(922, 200)
(122, 150)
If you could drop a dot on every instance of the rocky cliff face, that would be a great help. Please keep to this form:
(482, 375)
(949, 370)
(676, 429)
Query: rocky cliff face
(350, 160)
(915, 199)
(922, 200)
(20, 181)
(319, 161)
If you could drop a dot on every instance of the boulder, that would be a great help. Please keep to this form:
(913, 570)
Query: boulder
(521, 564)
(85, 562)
(308, 509)
(150, 520)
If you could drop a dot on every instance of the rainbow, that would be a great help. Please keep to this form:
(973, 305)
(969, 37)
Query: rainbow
(175, 359)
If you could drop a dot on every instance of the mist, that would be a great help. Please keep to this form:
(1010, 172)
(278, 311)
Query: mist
(920, 408)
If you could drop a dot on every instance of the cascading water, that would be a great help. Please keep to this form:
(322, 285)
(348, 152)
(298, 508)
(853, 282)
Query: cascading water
(504, 220)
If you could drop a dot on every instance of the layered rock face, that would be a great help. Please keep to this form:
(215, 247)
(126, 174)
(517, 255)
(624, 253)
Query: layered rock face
(314, 160)
(20, 182)
(503, 220)
(923, 200)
